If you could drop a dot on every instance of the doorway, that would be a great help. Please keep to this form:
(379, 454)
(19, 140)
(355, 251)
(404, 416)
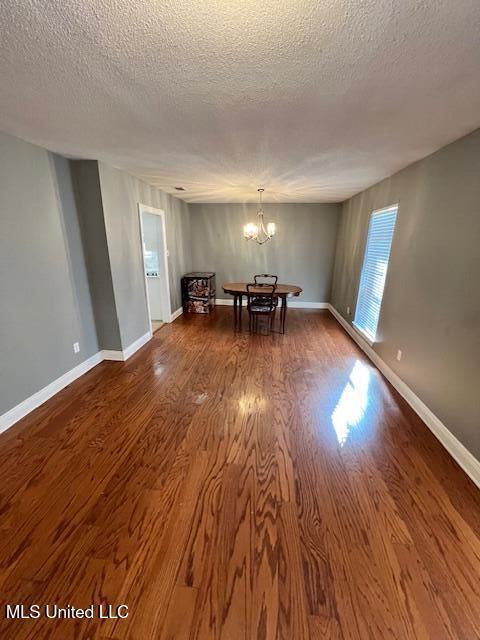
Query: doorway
(155, 265)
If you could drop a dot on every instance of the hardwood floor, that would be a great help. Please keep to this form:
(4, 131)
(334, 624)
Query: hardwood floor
(156, 325)
(238, 487)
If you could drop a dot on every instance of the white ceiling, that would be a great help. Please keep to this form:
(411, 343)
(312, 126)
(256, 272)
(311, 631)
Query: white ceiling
(312, 99)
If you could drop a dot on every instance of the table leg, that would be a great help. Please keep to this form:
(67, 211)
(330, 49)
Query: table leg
(235, 301)
(284, 313)
(240, 312)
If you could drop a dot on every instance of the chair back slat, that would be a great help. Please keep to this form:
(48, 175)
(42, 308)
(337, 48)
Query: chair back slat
(263, 279)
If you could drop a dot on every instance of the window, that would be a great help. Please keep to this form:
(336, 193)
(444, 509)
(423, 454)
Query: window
(374, 270)
(151, 261)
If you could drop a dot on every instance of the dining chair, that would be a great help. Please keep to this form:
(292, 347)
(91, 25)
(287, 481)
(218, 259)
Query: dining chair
(266, 280)
(261, 305)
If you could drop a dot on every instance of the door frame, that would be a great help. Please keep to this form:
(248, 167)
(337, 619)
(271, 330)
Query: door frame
(167, 310)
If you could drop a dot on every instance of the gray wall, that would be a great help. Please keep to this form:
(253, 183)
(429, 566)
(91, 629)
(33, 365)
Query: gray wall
(301, 253)
(45, 301)
(431, 304)
(121, 194)
(70, 263)
(89, 206)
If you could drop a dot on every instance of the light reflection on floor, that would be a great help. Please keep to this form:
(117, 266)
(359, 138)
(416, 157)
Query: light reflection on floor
(353, 402)
(158, 369)
(251, 403)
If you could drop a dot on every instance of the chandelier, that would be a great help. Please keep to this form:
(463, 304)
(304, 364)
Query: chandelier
(259, 232)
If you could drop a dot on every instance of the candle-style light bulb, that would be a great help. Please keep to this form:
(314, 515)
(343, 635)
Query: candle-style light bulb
(271, 228)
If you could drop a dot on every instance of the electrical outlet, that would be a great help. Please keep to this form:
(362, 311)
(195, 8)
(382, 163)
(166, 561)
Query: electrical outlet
(76, 347)
(348, 311)
(399, 355)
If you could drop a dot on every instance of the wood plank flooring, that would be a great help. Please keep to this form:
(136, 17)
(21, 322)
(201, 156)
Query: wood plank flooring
(235, 487)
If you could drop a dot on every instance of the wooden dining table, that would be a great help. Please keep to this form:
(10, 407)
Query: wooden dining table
(239, 289)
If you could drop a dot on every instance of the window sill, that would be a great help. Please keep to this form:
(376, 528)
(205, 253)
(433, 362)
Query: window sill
(362, 333)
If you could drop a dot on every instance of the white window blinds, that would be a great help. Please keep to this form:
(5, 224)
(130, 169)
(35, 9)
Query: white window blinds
(374, 270)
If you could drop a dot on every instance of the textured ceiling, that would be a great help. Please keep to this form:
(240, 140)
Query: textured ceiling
(312, 99)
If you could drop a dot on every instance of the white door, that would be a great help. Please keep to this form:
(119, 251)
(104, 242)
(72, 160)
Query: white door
(155, 264)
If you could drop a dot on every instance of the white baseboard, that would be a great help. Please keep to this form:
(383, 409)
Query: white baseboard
(108, 354)
(300, 304)
(18, 412)
(135, 346)
(21, 410)
(227, 302)
(294, 304)
(122, 356)
(176, 313)
(455, 448)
